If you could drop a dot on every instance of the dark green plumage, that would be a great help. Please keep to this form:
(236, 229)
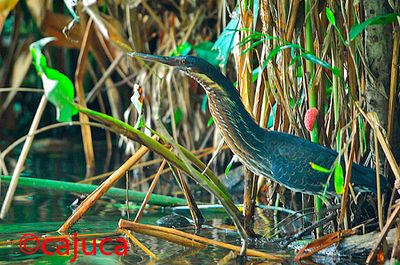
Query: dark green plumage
(283, 157)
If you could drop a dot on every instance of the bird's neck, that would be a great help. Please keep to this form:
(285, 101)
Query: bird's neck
(240, 132)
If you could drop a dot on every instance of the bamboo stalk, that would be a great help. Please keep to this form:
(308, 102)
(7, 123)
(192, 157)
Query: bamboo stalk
(244, 76)
(312, 97)
(21, 160)
(294, 7)
(150, 191)
(393, 81)
(80, 93)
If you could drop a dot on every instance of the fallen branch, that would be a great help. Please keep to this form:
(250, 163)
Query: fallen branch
(322, 243)
(171, 233)
(383, 234)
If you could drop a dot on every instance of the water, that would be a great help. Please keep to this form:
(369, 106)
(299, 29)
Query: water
(167, 252)
(41, 212)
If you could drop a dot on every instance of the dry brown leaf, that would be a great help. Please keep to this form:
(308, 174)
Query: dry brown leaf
(38, 10)
(375, 124)
(322, 243)
(109, 27)
(53, 25)
(20, 68)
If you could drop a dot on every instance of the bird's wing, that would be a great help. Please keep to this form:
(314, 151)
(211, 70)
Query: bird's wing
(291, 157)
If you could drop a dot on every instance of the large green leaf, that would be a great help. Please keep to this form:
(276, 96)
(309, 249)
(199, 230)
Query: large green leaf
(314, 59)
(57, 86)
(205, 50)
(225, 41)
(384, 19)
(59, 91)
(182, 50)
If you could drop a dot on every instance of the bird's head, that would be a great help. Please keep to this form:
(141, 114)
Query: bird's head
(183, 63)
(198, 69)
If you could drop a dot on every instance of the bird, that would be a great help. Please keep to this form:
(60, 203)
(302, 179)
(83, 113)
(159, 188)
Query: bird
(284, 158)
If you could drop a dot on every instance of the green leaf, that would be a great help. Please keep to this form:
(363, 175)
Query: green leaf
(277, 50)
(314, 59)
(299, 71)
(294, 60)
(362, 135)
(319, 168)
(182, 50)
(339, 179)
(178, 116)
(229, 166)
(225, 42)
(252, 37)
(255, 43)
(210, 121)
(330, 16)
(383, 19)
(332, 20)
(271, 118)
(57, 87)
(336, 71)
(254, 74)
(205, 50)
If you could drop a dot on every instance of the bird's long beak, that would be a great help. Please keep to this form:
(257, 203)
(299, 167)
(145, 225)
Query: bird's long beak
(172, 61)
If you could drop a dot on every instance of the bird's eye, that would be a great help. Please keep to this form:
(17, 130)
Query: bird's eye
(183, 61)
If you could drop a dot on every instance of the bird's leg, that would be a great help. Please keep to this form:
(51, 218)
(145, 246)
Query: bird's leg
(249, 202)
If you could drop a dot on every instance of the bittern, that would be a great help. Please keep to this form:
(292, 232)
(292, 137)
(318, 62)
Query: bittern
(281, 157)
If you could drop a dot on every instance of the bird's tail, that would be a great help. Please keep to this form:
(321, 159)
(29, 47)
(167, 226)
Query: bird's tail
(364, 179)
